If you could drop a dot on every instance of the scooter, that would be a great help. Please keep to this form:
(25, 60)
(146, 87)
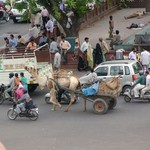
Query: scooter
(129, 95)
(31, 113)
(64, 100)
(4, 15)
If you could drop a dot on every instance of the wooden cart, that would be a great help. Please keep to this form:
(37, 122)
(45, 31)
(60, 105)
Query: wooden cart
(105, 99)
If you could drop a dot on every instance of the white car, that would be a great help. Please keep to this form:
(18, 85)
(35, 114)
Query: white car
(16, 15)
(128, 70)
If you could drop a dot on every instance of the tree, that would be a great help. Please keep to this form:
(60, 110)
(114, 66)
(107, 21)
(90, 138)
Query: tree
(69, 13)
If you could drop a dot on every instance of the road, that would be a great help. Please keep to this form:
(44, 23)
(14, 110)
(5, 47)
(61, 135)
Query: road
(124, 128)
(7, 28)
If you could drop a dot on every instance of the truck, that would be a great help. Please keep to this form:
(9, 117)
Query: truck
(16, 62)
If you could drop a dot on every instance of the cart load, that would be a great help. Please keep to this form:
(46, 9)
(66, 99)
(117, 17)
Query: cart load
(112, 87)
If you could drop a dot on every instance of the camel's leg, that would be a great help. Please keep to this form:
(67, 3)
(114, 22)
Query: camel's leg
(72, 95)
(84, 105)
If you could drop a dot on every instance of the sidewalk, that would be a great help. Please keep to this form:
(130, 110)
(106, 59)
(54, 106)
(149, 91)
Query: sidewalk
(101, 27)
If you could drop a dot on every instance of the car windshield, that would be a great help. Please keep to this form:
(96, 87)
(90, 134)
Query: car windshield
(137, 67)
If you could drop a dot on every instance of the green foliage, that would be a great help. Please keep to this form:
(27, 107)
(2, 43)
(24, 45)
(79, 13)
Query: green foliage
(123, 4)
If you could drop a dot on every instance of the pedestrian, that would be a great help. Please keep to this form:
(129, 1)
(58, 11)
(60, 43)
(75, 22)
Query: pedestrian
(64, 46)
(81, 62)
(53, 46)
(57, 60)
(104, 48)
(76, 51)
(147, 87)
(6, 42)
(12, 41)
(43, 39)
(85, 45)
(31, 45)
(145, 59)
(49, 28)
(45, 16)
(98, 55)
(116, 40)
(133, 54)
(111, 27)
(21, 41)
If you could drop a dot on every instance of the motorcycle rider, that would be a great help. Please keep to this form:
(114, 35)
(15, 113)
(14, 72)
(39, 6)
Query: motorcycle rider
(23, 102)
(147, 88)
(11, 84)
(139, 84)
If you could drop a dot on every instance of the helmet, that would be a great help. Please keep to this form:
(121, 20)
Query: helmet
(11, 75)
(141, 72)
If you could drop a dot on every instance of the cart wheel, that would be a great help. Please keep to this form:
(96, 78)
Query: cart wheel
(127, 99)
(112, 103)
(100, 106)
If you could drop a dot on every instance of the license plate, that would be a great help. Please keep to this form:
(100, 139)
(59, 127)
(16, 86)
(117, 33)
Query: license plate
(18, 18)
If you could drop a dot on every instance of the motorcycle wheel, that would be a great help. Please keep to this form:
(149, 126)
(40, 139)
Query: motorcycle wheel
(7, 17)
(33, 115)
(1, 99)
(127, 99)
(11, 114)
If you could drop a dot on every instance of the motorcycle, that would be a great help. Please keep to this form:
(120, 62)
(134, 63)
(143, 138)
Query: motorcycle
(31, 113)
(64, 100)
(5, 96)
(4, 15)
(129, 95)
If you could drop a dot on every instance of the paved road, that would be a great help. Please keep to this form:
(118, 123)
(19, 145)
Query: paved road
(124, 128)
(6, 28)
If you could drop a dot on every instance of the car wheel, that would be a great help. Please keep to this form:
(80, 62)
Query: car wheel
(15, 20)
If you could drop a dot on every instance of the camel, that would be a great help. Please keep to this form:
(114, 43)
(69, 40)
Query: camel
(64, 79)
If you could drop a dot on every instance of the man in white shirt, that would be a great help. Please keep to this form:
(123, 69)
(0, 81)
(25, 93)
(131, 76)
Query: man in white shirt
(147, 88)
(49, 27)
(133, 54)
(145, 59)
(85, 45)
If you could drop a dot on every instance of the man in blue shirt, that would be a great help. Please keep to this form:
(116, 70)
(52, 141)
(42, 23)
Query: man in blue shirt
(12, 41)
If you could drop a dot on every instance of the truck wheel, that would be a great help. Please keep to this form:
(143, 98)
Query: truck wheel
(100, 106)
(127, 99)
(1, 99)
(32, 87)
(112, 103)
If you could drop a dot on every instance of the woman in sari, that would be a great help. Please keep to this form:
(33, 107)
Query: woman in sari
(98, 55)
